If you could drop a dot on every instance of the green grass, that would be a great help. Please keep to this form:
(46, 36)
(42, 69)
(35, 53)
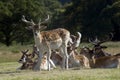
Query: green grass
(8, 72)
(10, 55)
(14, 48)
(13, 53)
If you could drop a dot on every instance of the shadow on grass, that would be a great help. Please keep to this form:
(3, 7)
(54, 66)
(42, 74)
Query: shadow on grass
(9, 72)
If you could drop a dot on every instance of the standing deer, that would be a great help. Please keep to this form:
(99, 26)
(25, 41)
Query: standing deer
(49, 40)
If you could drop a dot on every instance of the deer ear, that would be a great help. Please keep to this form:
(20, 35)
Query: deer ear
(43, 27)
(29, 28)
(23, 52)
(26, 51)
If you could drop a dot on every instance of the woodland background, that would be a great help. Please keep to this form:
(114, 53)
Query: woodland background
(90, 17)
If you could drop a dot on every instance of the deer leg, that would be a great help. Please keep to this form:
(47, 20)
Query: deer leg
(66, 54)
(52, 63)
(63, 60)
(37, 66)
(65, 57)
(118, 63)
(63, 63)
(48, 58)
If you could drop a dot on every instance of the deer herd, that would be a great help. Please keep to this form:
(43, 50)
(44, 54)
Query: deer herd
(58, 47)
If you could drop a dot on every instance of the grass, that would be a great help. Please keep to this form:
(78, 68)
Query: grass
(8, 72)
(10, 55)
(13, 53)
(14, 48)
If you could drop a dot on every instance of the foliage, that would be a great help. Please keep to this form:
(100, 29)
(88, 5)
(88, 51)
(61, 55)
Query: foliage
(64, 1)
(92, 17)
(11, 11)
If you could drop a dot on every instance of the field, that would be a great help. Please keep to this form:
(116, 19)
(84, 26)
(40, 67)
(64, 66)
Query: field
(10, 55)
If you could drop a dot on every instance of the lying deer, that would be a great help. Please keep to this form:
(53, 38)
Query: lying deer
(28, 61)
(102, 62)
(98, 48)
(74, 59)
(56, 58)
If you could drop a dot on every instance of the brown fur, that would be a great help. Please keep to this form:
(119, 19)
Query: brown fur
(102, 62)
(53, 35)
(49, 40)
(56, 57)
(31, 62)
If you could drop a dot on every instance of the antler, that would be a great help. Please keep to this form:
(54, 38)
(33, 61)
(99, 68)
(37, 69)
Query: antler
(25, 51)
(26, 21)
(48, 17)
(108, 38)
(98, 42)
(95, 42)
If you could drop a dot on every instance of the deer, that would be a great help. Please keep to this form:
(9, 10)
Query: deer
(74, 59)
(101, 62)
(98, 48)
(49, 40)
(28, 61)
(55, 56)
(72, 50)
(76, 40)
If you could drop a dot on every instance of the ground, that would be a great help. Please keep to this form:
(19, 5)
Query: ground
(10, 55)
(8, 72)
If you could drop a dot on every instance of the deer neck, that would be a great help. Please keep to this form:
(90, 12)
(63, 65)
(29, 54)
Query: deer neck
(37, 37)
(87, 62)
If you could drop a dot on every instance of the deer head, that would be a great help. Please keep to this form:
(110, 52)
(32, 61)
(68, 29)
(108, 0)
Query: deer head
(25, 57)
(97, 42)
(75, 41)
(87, 52)
(35, 27)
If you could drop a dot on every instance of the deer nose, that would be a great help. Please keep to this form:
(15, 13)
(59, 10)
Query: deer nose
(20, 61)
(35, 34)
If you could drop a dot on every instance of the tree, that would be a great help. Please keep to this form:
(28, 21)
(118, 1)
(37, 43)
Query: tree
(112, 13)
(64, 1)
(11, 11)
(91, 17)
